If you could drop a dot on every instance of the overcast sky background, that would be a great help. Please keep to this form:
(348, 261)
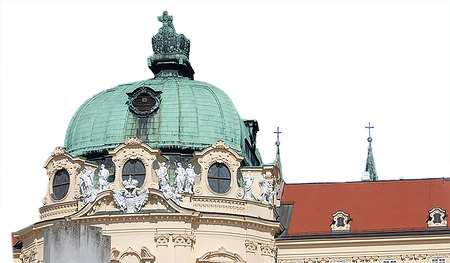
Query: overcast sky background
(320, 70)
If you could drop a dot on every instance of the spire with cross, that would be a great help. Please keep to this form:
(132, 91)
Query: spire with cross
(277, 158)
(370, 172)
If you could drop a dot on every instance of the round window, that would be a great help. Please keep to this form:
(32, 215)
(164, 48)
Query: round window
(61, 183)
(135, 169)
(219, 178)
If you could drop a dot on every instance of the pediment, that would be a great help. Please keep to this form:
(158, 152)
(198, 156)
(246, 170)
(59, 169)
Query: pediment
(104, 205)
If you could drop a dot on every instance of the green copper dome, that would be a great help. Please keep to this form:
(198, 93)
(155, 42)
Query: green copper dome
(171, 112)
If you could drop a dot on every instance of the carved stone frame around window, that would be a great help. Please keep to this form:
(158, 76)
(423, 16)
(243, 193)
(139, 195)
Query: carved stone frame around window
(340, 222)
(437, 218)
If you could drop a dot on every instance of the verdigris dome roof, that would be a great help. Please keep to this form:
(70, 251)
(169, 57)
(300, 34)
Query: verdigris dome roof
(191, 115)
(171, 112)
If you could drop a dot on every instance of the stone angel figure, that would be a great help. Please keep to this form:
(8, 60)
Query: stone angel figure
(248, 183)
(190, 179)
(130, 199)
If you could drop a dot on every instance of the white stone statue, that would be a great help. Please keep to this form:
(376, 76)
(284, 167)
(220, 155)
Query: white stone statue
(103, 175)
(130, 199)
(161, 174)
(248, 184)
(86, 184)
(170, 192)
(265, 190)
(190, 179)
(180, 175)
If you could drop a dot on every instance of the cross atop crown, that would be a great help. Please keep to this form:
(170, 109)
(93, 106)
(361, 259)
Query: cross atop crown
(166, 19)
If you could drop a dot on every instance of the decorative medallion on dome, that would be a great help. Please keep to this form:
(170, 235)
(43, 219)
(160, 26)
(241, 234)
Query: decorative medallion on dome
(144, 101)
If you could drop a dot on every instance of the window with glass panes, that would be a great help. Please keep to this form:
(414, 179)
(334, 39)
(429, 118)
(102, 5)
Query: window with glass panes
(438, 260)
(136, 169)
(219, 178)
(61, 183)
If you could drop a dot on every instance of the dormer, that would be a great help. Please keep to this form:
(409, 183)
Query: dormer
(436, 218)
(340, 222)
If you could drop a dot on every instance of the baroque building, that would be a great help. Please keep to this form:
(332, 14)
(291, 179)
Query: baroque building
(165, 170)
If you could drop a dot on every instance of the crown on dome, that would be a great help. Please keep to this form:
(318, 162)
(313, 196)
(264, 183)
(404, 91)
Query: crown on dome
(171, 51)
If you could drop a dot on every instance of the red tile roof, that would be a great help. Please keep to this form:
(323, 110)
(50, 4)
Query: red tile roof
(14, 240)
(374, 206)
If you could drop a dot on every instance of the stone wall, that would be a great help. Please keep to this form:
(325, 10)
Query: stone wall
(73, 242)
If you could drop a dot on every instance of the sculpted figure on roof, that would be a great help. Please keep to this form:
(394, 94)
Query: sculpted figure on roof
(161, 174)
(190, 179)
(266, 193)
(86, 184)
(248, 183)
(180, 175)
(103, 175)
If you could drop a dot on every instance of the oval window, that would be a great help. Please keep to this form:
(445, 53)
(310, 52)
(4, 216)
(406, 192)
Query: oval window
(219, 178)
(135, 169)
(61, 183)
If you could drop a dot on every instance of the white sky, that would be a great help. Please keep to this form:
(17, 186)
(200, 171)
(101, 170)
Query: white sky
(321, 70)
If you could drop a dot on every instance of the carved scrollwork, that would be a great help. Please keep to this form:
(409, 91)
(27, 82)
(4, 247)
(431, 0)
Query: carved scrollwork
(183, 239)
(251, 246)
(162, 239)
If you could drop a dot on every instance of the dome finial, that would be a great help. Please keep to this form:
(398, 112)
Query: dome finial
(171, 51)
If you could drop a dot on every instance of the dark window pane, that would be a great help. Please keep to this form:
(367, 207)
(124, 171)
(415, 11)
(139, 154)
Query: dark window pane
(224, 185)
(128, 167)
(340, 222)
(61, 183)
(139, 168)
(437, 218)
(214, 184)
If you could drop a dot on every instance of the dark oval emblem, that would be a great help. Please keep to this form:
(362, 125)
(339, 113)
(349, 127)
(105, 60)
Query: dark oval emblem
(143, 101)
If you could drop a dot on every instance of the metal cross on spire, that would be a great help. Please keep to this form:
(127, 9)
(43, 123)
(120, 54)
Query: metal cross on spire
(370, 127)
(278, 136)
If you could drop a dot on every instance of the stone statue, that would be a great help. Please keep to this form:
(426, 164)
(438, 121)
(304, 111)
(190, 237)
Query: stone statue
(103, 175)
(130, 199)
(265, 190)
(86, 184)
(190, 179)
(180, 175)
(248, 183)
(170, 192)
(161, 174)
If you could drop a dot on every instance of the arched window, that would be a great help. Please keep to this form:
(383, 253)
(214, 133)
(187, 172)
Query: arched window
(219, 178)
(136, 169)
(61, 183)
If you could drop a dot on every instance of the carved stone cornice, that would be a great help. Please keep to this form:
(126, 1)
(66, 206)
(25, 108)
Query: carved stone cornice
(57, 210)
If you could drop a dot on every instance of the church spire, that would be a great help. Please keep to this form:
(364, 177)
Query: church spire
(277, 158)
(171, 51)
(370, 173)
